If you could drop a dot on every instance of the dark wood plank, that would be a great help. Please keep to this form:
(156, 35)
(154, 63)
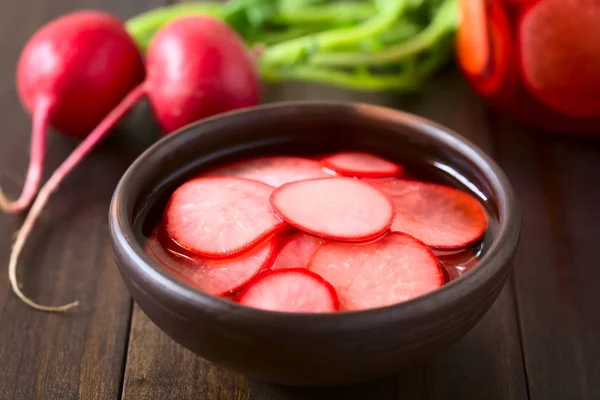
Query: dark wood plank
(79, 354)
(486, 364)
(158, 368)
(556, 268)
(172, 372)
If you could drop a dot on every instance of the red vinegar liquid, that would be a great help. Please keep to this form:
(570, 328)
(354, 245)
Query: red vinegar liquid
(176, 260)
(537, 61)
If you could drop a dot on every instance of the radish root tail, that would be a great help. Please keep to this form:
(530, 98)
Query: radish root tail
(22, 236)
(36, 160)
(16, 252)
(46, 191)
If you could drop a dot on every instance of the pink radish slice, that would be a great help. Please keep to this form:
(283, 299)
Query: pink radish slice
(274, 171)
(441, 216)
(297, 251)
(394, 269)
(220, 217)
(217, 277)
(559, 54)
(334, 208)
(361, 165)
(290, 290)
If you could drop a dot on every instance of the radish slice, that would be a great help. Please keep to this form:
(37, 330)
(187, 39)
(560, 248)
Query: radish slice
(361, 165)
(217, 277)
(440, 216)
(334, 208)
(472, 38)
(274, 171)
(394, 269)
(559, 55)
(296, 251)
(220, 217)
(290, 290)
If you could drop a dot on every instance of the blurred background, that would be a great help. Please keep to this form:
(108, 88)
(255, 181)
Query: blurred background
(519, 78)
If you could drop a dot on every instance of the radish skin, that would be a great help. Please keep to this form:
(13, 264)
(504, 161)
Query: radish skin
(184, 61)
(80, 56)
(36, 160)
(290, 290)
(198, 67)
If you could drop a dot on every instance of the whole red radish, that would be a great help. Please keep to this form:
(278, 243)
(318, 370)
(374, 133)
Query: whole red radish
(70, 74)
(197, 67)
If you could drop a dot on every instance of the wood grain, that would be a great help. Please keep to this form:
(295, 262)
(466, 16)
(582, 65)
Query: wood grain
(556, 266)
(79, 354)
(486, 364)
(158, 368)
(84, 354)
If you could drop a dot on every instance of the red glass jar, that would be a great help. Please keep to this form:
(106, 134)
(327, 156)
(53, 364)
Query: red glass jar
(536, 60)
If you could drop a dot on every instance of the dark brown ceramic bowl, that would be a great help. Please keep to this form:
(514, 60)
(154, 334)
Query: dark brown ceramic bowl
(311, 349)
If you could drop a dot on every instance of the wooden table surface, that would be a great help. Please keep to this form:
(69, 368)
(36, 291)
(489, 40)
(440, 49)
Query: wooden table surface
(540, 340)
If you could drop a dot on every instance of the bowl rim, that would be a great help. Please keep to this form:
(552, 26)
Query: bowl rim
(500, 253)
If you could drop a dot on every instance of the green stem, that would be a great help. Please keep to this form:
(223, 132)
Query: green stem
(143, 26)
(274, 37)
(292, 51)
(404, 30)
(439, 27)
(308, 40)
(233, 7)
(351, 81)
(326, 14)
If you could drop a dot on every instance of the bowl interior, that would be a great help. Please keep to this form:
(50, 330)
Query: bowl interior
(308, 128)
